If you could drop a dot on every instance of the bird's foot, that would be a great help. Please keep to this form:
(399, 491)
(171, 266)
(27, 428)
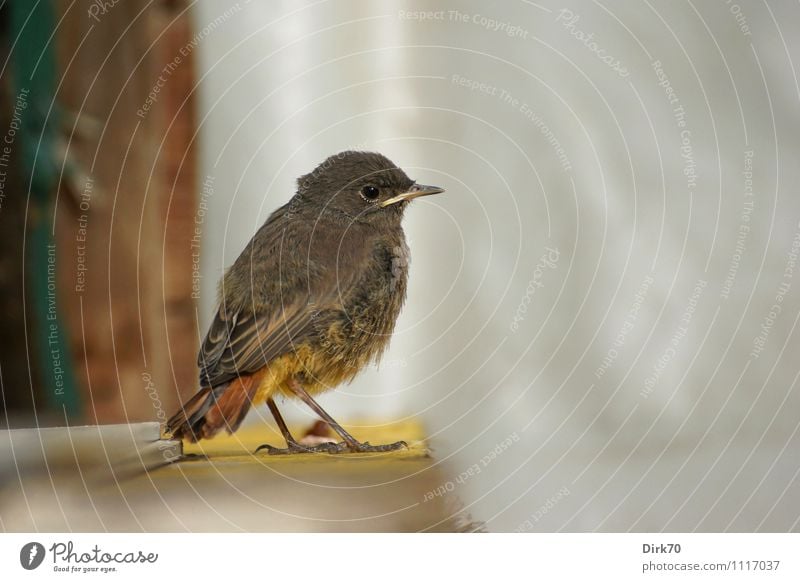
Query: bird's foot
(333, 448)
(296, 448)
(356, 447)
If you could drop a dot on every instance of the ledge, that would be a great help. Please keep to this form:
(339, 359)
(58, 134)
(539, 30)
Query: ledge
(220, 485)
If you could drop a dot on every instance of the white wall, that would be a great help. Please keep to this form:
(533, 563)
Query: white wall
(712, 444)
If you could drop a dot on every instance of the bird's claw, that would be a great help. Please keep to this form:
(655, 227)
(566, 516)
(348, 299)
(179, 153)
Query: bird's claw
(368, 448)
(334, 448)
(295, 449)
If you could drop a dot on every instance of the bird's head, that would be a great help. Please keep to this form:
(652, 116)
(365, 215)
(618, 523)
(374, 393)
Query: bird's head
(365, 186)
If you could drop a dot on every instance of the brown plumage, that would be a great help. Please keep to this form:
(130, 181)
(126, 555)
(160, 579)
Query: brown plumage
(311, 300)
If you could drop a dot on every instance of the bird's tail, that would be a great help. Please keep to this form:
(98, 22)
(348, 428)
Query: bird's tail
(214, 409)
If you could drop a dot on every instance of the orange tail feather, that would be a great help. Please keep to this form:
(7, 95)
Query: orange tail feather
(213, 409)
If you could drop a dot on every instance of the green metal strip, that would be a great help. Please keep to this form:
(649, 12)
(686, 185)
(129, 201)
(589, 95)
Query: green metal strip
(34, 79)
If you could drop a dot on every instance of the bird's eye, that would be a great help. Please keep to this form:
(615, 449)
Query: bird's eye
(370, 193)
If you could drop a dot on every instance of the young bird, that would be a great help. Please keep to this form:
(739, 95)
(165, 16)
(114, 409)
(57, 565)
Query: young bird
(312, 299)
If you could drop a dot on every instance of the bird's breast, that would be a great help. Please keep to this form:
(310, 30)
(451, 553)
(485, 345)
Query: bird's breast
(356, 332)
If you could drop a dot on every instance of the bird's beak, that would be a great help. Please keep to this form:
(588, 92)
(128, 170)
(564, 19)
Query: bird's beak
(416, 191)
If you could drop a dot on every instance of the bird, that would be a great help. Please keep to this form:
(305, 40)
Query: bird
(311, 300)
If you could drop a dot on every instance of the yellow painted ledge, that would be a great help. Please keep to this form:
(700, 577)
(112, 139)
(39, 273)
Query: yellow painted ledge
(246, 440)
(220, 485)
(345, 492)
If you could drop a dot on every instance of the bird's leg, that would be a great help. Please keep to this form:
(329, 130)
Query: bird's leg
(273, 408)
(350, 442)
(292, 446)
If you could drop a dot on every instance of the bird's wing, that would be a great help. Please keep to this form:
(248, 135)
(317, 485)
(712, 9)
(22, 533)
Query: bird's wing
(243, 339)
(242, 342)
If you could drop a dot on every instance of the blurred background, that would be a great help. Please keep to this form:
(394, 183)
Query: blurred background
(600, 331)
